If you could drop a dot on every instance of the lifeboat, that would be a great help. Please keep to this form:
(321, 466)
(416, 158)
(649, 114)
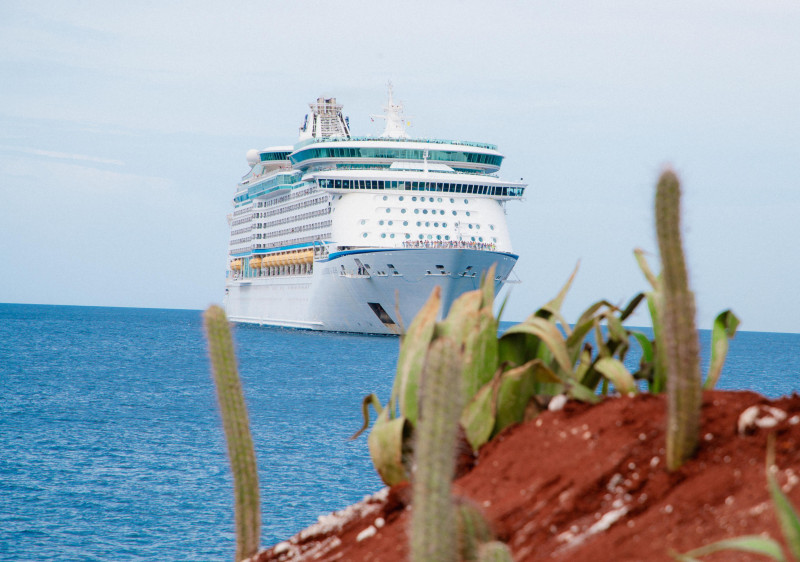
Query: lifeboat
(255, 263)
(236, 265)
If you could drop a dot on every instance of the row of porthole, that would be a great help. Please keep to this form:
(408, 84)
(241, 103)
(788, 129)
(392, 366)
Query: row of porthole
(423, 199)
(427, 223)
(425, 211)
(429, 237)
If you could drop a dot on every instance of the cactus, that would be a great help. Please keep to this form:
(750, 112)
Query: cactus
(237, 432)
(681, 343)
(494, 551)
(433, 521)
(473, 530)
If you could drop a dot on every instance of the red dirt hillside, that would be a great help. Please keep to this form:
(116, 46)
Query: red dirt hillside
(589, 483)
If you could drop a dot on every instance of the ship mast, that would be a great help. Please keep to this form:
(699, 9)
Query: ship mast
(395, 122)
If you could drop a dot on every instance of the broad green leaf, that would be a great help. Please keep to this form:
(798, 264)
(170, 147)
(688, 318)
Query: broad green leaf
(410, 360)
(584, 364)
(747, 543)
(386, 442)
(582, 393)
(487, 287)
(645, 344)
(583, 326)
(591, 312)
(617, 334)
(548, 333)
(645, 267)
(787, 516)
(515, 389)
(457, 323)
(365, 404)
(514, 348)
(599, 339)
(480, 351)
(725, 325)
(615, 371)
(478, 417)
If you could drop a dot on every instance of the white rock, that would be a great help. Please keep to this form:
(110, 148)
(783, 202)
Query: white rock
(557, 403)
(759, 416)
(366, 533)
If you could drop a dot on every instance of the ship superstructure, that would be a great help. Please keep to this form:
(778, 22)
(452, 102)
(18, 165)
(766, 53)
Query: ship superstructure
(352, 233)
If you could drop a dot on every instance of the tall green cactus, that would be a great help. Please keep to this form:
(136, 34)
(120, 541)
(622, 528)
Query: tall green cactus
(679, 332)
(237, 432)
(433, 518)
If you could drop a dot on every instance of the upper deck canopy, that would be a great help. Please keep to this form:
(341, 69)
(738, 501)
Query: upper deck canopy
(464, 156)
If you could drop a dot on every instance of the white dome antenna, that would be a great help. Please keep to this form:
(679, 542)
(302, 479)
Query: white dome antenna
(253, 157)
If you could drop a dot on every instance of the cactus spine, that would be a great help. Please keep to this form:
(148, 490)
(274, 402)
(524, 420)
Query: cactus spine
(237, 432)
(680, 334)
(433, 519)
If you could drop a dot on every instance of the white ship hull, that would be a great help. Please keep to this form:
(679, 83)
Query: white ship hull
(367, 291)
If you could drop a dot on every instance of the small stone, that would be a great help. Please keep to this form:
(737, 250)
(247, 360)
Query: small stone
(379, 523)
(759, 416)
(557, 403)
(366, 533)
(708, 437)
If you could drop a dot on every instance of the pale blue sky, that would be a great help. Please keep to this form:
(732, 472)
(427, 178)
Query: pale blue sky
(124, 128)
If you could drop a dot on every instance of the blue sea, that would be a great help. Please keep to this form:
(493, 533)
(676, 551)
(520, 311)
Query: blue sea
(111, 444)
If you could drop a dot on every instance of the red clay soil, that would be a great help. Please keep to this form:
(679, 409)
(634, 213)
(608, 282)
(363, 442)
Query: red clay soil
(590, 483)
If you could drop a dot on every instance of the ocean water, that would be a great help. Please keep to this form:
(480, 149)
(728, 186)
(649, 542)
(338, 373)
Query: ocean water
(111, 444)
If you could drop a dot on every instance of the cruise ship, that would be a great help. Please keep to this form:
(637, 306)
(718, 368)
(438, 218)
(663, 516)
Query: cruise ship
(351, 234)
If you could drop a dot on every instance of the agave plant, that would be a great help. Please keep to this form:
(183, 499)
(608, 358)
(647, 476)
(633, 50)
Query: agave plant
(502, 380)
